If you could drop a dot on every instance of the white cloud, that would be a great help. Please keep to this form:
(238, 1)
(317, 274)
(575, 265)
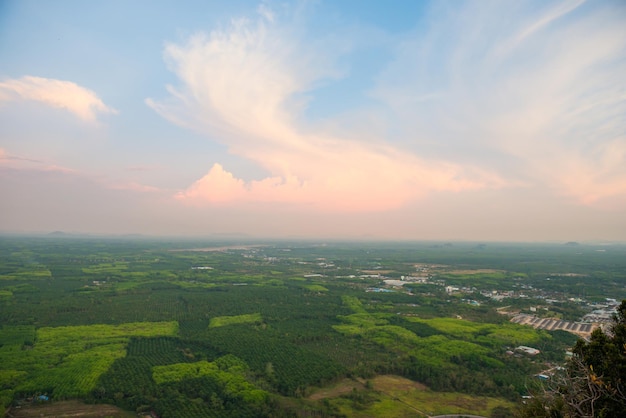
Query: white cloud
(239, 86)
(78, 100)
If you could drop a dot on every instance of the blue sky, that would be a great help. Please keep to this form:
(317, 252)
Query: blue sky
(322, 119)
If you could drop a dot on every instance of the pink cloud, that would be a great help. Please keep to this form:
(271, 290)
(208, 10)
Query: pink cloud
(372, 188)
(596, 181)
(21, 163)
(238, 86)
(32, 165)
(78, 100)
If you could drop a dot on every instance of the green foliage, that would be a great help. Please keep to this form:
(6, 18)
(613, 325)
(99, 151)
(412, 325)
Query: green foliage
(221, 321)
(457, 349)
(93, 333)
(6, 396)
(488, 334)
(293, 367)
(97, 319)
(227, 372)
(315, 288)
(32, 272)
(68, 361)
(11, 378)
(22, 288)
(353, 303)
(605, 357)
(14, 338)
(106, 268)
(179, 371)
(192, 285)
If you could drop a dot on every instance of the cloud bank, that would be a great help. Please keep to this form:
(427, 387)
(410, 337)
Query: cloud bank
(81, 102)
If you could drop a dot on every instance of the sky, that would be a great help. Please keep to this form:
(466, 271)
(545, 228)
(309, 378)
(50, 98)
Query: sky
(329, 119)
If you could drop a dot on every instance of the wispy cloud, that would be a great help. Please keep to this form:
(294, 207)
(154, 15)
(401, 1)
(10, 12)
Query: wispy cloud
(240, 86)
(536, 90)
(42, 167)
(67, 95)
(14, 162)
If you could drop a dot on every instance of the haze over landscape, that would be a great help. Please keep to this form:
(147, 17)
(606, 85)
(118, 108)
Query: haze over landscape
(329, 119)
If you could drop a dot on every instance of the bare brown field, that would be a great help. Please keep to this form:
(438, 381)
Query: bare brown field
(341, 388)
(388, 383)
(68, 409)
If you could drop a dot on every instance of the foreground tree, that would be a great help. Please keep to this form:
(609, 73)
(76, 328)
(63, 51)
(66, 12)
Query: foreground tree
(593, 384)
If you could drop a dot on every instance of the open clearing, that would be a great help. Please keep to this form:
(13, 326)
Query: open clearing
(398, 397)
(343, 387)
(68, 409)
(421, 398)
(391, 383)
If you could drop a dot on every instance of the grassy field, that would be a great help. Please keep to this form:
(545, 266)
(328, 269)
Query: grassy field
(395, 397)
(435, 403)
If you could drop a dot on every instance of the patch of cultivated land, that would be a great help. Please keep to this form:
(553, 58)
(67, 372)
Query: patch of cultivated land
(345, 386)
(68, 409)
(395, 396)
(421, 398)
(391, 383)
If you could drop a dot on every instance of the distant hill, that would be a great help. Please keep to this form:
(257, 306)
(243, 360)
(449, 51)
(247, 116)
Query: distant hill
(57, 234)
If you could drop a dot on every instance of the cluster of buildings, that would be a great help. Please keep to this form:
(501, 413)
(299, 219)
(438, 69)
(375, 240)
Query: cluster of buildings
(602, 312)
(601, 316)
(583, 329)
